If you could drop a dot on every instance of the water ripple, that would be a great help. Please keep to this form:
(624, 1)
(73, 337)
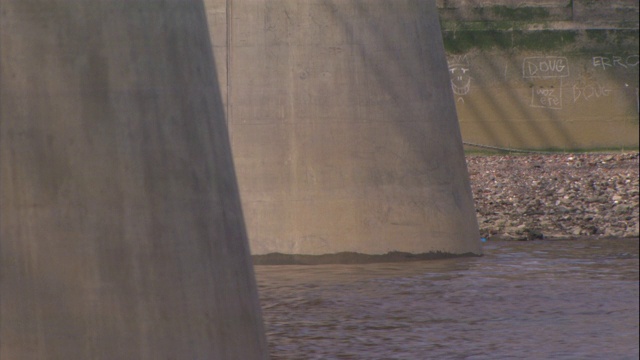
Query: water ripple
(533, 300)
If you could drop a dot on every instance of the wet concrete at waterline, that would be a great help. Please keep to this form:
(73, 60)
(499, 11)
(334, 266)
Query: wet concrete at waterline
(525, 300)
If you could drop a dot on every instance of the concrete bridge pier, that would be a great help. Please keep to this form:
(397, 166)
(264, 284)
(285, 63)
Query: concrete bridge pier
(344, 128)
(121, 234)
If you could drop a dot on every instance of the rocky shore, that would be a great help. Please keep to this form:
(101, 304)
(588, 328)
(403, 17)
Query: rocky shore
(556, 196)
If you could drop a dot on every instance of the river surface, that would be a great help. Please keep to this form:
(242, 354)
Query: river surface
(521, 300)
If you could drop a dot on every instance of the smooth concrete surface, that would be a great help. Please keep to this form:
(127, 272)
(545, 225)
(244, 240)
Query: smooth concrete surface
(343, 128)
(121, 233)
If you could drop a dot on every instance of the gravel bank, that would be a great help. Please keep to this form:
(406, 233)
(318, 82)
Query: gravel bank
(556, 196)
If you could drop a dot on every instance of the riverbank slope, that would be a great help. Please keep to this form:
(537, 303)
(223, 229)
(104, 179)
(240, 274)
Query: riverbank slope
(556, 196)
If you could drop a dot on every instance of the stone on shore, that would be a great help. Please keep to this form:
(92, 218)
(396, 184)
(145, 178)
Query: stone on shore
(556, 196)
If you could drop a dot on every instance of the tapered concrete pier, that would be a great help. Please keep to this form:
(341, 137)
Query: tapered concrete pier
(344, 128)
(121, 233)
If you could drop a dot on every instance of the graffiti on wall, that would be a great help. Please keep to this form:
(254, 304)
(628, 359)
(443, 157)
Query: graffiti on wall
(605, 62)
(545, 67)
(460, 76)
(553, 81)
(589, 91)
(587, 88)
(547, 73)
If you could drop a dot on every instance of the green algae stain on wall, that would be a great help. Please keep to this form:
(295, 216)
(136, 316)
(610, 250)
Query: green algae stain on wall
(611, 40)
(583, 40)
(457, 42)
(518, 13)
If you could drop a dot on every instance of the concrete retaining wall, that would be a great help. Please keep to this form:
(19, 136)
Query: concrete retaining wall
(559, 74)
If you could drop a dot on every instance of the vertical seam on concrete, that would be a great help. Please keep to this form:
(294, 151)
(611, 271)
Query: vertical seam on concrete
(1, 16)
(229, 18)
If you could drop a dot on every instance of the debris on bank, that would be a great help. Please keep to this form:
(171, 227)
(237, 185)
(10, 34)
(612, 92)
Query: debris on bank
(556, 196)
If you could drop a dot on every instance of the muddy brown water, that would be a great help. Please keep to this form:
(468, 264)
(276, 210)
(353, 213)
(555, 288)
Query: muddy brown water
(521, 300)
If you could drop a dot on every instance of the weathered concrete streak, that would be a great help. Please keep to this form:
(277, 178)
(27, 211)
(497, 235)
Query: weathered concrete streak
(121, 234)
(344, 129)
